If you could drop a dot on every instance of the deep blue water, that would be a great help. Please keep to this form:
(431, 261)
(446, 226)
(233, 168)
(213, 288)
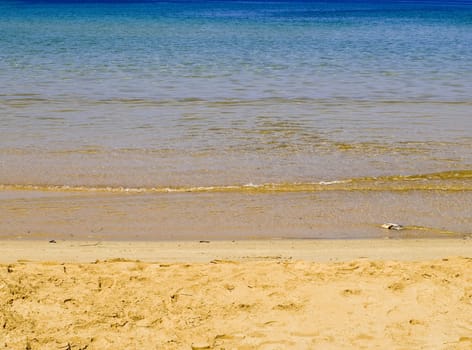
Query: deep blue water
(214, 50)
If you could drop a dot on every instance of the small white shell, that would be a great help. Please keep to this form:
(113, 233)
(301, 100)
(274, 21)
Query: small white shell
(392, 226)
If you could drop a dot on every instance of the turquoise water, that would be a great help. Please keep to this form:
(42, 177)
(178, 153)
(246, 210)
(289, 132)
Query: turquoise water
(229, 95)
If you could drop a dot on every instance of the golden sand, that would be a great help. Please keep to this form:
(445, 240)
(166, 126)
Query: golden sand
(251, 300)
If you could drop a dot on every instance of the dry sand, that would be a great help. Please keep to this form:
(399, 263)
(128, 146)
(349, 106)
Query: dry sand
(237, 295)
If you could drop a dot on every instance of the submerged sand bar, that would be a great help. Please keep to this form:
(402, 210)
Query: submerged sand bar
(273, 294)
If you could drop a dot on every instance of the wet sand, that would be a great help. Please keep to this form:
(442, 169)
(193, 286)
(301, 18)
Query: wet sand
(273, 294)
(328, 214)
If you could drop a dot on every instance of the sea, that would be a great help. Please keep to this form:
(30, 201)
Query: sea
(169, 120)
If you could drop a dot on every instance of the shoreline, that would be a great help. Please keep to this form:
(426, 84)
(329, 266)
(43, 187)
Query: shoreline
(238, 250)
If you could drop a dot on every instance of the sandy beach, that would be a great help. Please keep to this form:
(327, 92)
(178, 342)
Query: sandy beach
(273, 294)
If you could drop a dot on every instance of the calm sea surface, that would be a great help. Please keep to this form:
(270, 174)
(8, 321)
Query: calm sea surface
(223, 119)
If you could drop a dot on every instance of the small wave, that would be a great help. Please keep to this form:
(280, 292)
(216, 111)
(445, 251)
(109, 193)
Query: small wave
(442, 181)
(333, 182)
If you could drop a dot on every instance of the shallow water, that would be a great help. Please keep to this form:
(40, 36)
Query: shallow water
(364, 106)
